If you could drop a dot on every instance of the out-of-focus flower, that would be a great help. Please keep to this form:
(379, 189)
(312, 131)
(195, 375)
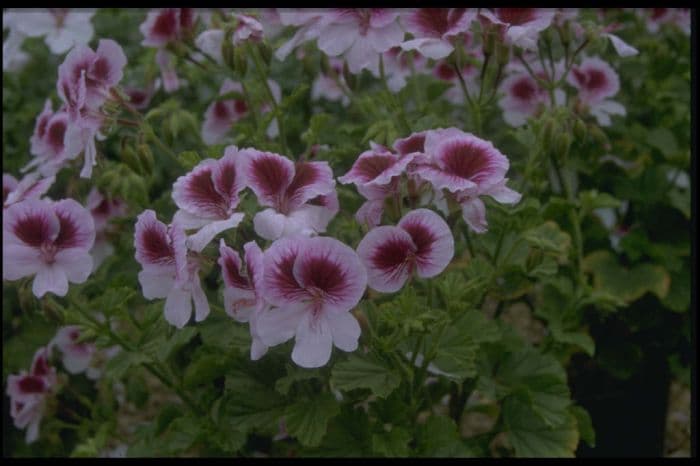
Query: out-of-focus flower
(50, 240)
(29, 392)
(596, 81)
(520, 26)
(313, 284)
(398, 67)
(163, 26)
(30, 187)
(434, 29)
(48, 143)
(360, 35)
(13, 57)
(524, 96)
(300, 197)
(421, 243)
(325, 86)
(167, 271)
(61, 28)
(76, 355)
(102, 209)
(221, 114)
(207, 198)
(310, 23)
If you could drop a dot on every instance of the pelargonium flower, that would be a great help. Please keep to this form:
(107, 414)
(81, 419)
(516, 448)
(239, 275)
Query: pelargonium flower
(247, 29)
(360, 35)
(301, 196)
(30, 187)
(76, 355)
(596, 81)
(243, 296)
(325, 86)
(434, 29)
(467, 167)
(520, 26)
(86, 76)
(140, 97)
(397, 67)
(221, 114)
(62, 28)
(166, 25)
(50, 240)
(167, 271)
(48, 143)
(313, 284)
(310, 23)
(13, 57)
(523, 95)
(207, 198)
(446, 72)
(421, 243)
(29, 392)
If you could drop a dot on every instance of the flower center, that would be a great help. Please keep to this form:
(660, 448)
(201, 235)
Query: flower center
(48, 252)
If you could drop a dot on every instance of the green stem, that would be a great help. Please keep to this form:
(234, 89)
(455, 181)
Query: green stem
(260, 69)
(392, 97)
(575, 221)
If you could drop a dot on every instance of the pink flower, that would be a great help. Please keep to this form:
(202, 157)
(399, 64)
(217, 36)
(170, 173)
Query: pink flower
(360, 35)
(85, 77)
(140, 97)
(243, 295)
(301, 197)
(313, 284)
(171, 82)
(421, 243)
(76, 355)
(221, 114)
(13, 57)
(309, 22)
(167, 271)
(50, 240)
(434, 29)
(524, 96)
(31, 187)
(467, 167)
(596, 80)
(208, 196)
(397, 67)
(446, 72)
(61, 27)
(247, 29)
(520, 26)
(167, 25)
(29, 392)
(324, 86)
(48, 143)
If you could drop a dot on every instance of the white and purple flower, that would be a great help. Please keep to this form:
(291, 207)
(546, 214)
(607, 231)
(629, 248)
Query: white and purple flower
(50, 240)
(207, 198)
(421, 243)
(313, 283)
(596, 81)
(30, 187)
(167, 271)
(520, 26)
(435, 29)
(300, 197)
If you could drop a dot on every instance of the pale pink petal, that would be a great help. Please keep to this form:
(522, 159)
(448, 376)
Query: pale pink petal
(198, 241)
(362, 55)
(503, 193)
(77, 229)
(385, 37)
(210, 41)
(201, 304)
(311, 179)
(152, 242)
(178, 307)
(429, 47)
(337, 38)
(277, 325)
(370, 213)
(50, 279)
(156, 281)
(280, 286)
(108, 68)
(30, 223)
(622, 48)
(269, 224)
(76, 263)
(20, 261)
(267, 174)
(313, 342)
(345, 330)
(474, 213)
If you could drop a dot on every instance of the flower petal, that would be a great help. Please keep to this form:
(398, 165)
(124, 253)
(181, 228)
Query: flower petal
(345, 330)
(433, 239)
(267, 174)
(152, 241)
(474, 213)
(313, 342)
(311, 179)
(77, 226)
(384, 251)
(277, 325)
(199, 240)
(76, 262)
(269, 224)
(50, 279)
(178, 307)
(280, 286)
(156, 281)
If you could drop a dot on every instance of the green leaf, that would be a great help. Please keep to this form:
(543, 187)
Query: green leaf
(224, 334)
(532, 438)
(593, 199)
(181, 434)
(439, 437)
(348, 435)
(188, 159)
(251, 404)
(663, 140)
(205, 369)
(393, 443)
(678, 297)
(120, 364)
(178, 340)
(457, 347)
(307, 420)
(550, 238)
(365, 371)
(295, 374)
(585, 425)
(629, 284)
(680, 199)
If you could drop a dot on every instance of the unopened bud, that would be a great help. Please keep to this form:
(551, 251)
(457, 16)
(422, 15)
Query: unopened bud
(265, 52)
(129, 157)
(489, 42)
(598, 135)
(145, 156)
(561, 144)
(227, 52)
(579, 129)
(502, 54)
(240, 61)
(350, 79)
(548, 134)
(565, 33)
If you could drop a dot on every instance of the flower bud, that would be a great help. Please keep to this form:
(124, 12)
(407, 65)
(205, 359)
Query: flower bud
(502, 53)
(227, 52)
(548, 134)
(489, 42)
(240, 61)
(579, 129)
(561, 144)
(129, 157)
(145, 157)
(598, 135)
(265, 52)
(350, 79)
